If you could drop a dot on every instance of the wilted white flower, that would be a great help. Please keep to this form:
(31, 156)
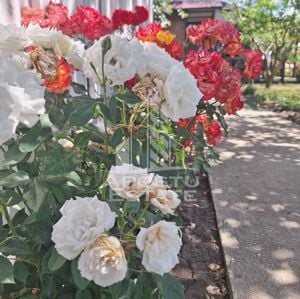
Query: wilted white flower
(22, 98)
(129, 181)
(156, 60)
(61, 44)
(160, 244)
(181, 94)
(103, 261)
(120, 61)
(150, 90)
(82, 221)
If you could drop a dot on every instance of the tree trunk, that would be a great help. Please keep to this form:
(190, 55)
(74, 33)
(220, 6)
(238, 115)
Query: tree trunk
(282, 70)
(271, 72)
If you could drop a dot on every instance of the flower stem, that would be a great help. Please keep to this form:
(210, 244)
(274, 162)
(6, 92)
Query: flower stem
(7, 218)
(106, 138)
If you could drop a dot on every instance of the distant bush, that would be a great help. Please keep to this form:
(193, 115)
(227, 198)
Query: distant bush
(249, 90)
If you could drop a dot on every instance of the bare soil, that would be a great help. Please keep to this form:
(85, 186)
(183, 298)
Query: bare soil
(201, 267)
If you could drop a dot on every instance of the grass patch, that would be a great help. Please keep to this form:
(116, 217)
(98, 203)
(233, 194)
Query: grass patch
(288, 95)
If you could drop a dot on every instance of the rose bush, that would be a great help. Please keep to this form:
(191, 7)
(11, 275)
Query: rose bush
(84, 212)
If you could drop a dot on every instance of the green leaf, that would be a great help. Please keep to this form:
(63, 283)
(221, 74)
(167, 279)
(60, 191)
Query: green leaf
(78, 88)
(35, 195)
(19, 217)
(82, 139)
(222, 121)
(57, 117)
(127, 97)
(142, 288)
(106, 113)
(60, 161)
(56, 261)
(169, 286)
(86, 294)
(21, 271)
(132, 206)
(122, 289)
(10, 197)
(117, 137)
(13, 156)
(19, 178)
(3, 233)
(82, 110)
(33, 138)
(6, 273)
(15, 247)
(39, 232)
(49, 287)
(79, 281)
(61, 192)
(113, 105)
(52, 179)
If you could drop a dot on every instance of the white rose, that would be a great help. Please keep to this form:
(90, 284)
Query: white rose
(72, 50)
(156, 61)
(82, 221)
(160, 244)
(120, 62)
(181, 94)
(166, 201)
(13, 39)
(42, 37)
(22, 98)
(103, 261)
(129, 181)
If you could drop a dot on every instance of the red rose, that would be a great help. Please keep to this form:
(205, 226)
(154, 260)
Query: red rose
(56, 15)
(32, 16)
(231, 107)
(212, 33)
(203, 66)
(253, 61)
(196, 34)
(175, 49)
(122, 17)
(212, 129)
(90, 23)
(63, 78)
(141, 15)
(148, 33)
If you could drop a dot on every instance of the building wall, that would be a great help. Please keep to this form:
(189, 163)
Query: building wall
(10, 9)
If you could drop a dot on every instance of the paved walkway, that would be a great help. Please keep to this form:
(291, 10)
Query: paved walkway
(256, 193)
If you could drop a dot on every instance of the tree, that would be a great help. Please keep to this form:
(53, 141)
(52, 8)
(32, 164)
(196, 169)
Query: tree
(164, 8)
(272, 26)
